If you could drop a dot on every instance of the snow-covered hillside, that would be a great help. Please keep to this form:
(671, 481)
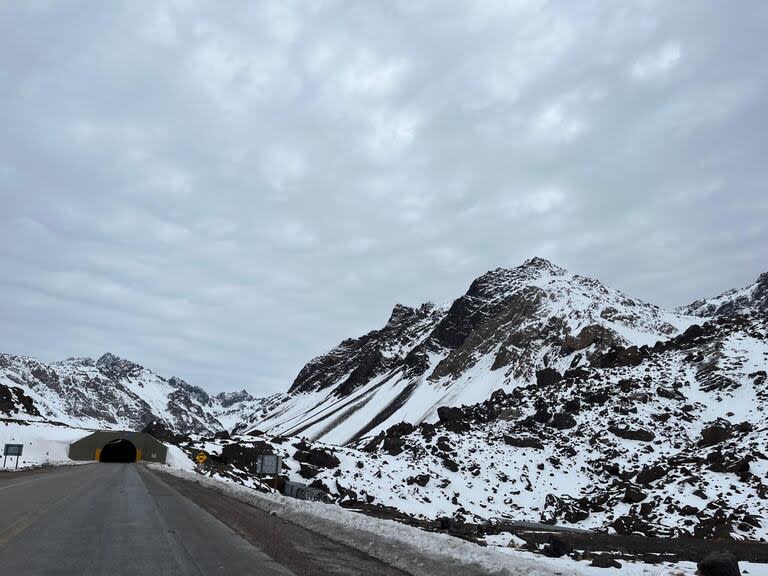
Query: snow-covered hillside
(111, 393)
(509, 324)
(663, 440)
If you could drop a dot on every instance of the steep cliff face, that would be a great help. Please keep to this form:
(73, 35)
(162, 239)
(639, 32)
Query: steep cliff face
(110, 392)
(508, 325)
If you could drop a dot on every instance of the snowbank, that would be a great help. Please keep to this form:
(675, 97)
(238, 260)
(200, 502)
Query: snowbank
(407, 548)
(44, 444)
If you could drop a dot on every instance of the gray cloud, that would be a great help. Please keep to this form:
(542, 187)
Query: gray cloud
(222, 194)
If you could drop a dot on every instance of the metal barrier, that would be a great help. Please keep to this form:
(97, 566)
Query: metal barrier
(304, 492)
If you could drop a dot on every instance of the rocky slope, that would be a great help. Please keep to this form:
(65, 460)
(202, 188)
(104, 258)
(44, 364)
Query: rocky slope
(111, 392)
(509, 324)
(619, 433)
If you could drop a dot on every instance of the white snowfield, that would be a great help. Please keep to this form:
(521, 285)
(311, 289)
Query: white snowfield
(44, 444)
(407, 548)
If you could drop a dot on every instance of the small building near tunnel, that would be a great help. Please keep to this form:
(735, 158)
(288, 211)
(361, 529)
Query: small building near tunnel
(118, 446)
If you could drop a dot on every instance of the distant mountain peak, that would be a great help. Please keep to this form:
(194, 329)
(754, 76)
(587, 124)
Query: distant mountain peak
(750, 299)
(538, 263)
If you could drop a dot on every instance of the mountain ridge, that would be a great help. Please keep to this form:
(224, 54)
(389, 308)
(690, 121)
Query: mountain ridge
(509, 323)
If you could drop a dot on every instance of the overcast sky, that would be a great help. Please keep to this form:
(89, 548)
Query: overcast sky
(221, 191)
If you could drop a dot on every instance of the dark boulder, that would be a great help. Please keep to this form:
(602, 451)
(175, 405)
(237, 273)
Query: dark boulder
(523, 442)
(556, 547)
(222, 435)
(604, 561)
(592, 334)
(633, 495)
(449, 414)
(548, 377)
(318, 458)
(572, 406)
(719, 564)
(650, 474)
(420, 480)
(398, 430)
(716, 433)
(717, 526)
(692, 332)
(563, 421)
(640, 434)
(393, 446)
(450, 465)
(373, 444)
(542, 416)
(307, 471)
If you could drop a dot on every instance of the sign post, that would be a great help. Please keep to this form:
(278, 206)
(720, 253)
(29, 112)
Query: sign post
(12, 450)
(200, 458)
(269, 464)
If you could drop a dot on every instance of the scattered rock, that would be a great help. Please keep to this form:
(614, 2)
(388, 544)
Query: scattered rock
(523, 442)
(449, 414)
(634, 495)
(604, 561)
(563, 421)
(317, 457)
(650, 474)
(716, 433)
(556, 547)
(640, 434)
(420, 480)
(719, 564)
(548, 377)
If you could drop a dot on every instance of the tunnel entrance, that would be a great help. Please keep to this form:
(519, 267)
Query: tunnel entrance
(119, 450)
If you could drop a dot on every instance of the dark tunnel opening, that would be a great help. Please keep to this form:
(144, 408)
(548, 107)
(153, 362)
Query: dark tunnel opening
(119, 450)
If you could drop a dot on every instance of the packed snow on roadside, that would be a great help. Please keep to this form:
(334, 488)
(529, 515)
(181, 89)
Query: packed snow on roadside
(405, 547)
(44, 444)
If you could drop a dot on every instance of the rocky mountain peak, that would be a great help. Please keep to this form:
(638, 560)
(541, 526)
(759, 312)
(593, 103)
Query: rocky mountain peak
(511, 323)
(116, 367)
(195, 391)
(541, 264)
(404, 314)
(501, 281)
(227, 399)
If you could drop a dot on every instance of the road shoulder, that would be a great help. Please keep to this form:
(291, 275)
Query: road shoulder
(302, 551)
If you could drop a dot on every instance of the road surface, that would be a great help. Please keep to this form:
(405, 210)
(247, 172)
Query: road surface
(122, 519)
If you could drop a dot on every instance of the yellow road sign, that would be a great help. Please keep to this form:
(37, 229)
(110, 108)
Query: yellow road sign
(201, 457)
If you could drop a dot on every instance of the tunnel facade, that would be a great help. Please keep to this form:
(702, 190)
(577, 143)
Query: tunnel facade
(118, 446)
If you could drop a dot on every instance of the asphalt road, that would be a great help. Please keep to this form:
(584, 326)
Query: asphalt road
(113, 520)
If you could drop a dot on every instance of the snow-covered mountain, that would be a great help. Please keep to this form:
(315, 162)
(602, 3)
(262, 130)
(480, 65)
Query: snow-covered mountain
(594, 409)
(112, 392)
(509, 324)
(752, 299)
